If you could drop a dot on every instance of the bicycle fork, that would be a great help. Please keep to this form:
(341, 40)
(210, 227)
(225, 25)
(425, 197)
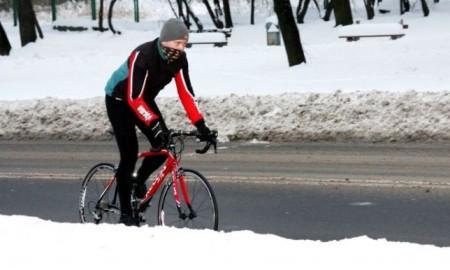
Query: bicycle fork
(178, 179)
(102, 205)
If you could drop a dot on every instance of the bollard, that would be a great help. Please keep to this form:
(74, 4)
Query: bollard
(273, 34)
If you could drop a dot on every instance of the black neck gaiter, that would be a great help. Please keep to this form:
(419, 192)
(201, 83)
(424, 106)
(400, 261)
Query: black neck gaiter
(172, 54)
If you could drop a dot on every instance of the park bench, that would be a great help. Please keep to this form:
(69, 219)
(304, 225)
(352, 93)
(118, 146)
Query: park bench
(357, 31)
(218, 38)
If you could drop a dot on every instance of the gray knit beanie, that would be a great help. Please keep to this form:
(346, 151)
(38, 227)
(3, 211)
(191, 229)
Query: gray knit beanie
(174, 29)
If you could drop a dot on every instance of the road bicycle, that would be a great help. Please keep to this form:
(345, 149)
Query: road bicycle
(194, 207)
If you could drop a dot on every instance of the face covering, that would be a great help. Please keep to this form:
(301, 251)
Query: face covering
(172, 54)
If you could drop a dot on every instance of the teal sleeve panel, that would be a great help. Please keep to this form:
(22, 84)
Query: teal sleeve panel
(119, 75)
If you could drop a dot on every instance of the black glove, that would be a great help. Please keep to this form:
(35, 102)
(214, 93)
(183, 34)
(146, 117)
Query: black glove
(204, 133)
(159, 135)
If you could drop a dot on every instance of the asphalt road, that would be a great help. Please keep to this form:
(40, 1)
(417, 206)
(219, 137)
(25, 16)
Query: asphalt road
(301, 191)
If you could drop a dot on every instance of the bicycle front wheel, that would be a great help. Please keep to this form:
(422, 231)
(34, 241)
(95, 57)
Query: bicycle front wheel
(201, 214)
(99, 201)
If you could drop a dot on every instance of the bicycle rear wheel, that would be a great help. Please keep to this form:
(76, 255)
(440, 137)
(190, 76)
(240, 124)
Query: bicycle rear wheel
(205, 214)
(99, 201)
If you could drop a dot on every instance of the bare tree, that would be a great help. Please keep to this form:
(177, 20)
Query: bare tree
(252, 12)
(369, 4)
(425, 9)
(328, 9)
(302, 8)
(5, 46)
(405, 6)
(342, 12)
(289, 31)
(28, 23)
(100, 27)
(227, 11)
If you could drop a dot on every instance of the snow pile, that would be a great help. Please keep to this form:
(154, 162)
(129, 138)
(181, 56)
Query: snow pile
(356, 116)
(53, 118)
(50, 245)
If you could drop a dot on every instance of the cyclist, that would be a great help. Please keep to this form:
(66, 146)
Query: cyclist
(130, 102)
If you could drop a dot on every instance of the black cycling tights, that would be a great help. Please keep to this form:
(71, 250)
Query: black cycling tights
(124, 124)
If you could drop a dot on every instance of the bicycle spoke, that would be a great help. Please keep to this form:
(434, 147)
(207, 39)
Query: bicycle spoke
(202, 203)
(207, 211)
(198, 189)
(205, 200)
(97, 197)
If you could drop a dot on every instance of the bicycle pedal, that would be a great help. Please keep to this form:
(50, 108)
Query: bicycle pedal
(143, 206)
(142, 218)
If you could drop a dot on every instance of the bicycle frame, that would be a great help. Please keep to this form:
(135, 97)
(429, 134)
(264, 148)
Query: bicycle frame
(171, 165)
(178, 183)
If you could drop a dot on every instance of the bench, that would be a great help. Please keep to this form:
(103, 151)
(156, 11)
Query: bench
(212, 37)
(355, 32)
(65, 28)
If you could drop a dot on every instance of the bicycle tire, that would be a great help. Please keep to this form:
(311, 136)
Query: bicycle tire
(203, 202)
(98, 201)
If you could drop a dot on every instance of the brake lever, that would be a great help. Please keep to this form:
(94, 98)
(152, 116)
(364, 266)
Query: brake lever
(208, 145)
(204, 149)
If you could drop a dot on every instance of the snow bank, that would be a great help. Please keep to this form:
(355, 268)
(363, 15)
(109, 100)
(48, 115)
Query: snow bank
(34, 243)
(356, 116)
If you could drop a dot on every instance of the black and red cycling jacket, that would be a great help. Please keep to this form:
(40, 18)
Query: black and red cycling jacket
(145, 73)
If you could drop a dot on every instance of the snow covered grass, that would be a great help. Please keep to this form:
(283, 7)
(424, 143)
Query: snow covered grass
(34, 243)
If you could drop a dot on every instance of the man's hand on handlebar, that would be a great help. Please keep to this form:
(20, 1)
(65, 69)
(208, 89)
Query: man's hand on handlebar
(206, 135)
(210, 139)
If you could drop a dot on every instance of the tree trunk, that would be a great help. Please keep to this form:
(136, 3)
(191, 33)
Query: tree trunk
(289, 31)
(301, 10)
(342, 12)
(227, 11)
(328, 10)
(216, 20)
(110, 15)
(426, 10)
(369, 4)
(100, 17)
(5, 46)
(252, 12)
(27, 22)
(404, 6)
(38, 27)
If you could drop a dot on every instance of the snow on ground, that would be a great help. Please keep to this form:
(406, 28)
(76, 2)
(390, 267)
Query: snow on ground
(34, 243)
(373, 89)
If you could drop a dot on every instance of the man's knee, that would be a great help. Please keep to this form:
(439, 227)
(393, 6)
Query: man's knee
(126, 168)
